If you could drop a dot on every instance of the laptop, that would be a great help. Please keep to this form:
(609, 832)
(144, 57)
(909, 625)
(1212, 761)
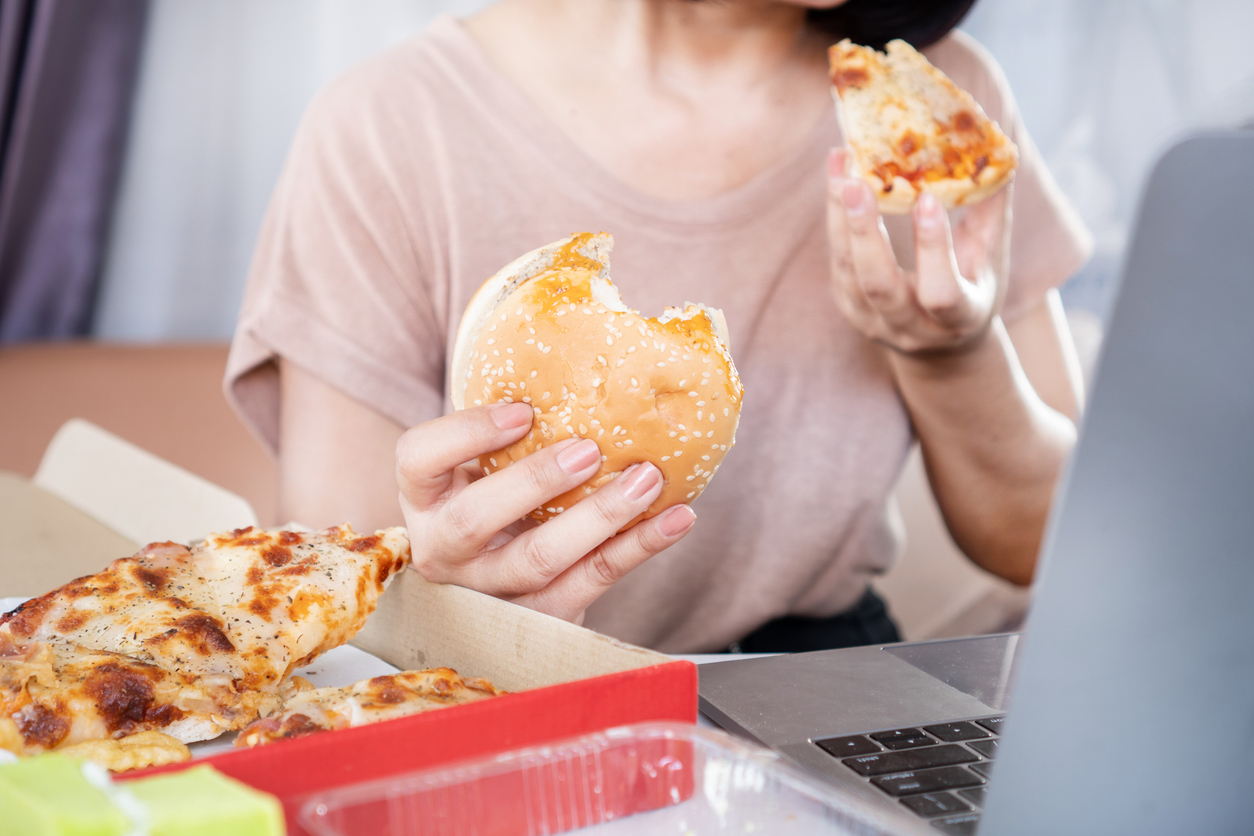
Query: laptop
(1127, 706)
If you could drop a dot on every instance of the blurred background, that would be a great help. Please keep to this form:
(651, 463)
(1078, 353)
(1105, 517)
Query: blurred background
(140, 141)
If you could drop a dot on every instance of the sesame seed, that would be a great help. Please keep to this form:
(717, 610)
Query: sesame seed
(552, 510)
(700, 403)
(492, 460)
(533, 375)
(681, 426)
(712, 417)
(491, 340)
(600, 433)
(692, 494)
(628, 442)
(726, 412)
(661, 365)
(547, 349)
(587, 311)
(697, 433)
(673, 433)
(678, 453)
(526, 400)
(705, 458)
(666, 458)
(493, 328)
(561, 313)
(619, 363)
(690, 478)
(616, 430)
(635, 382)
(605, 458)
(618, 444)
(601, 360)
(683, 438)
(630, 349)
(698, 415)
(518, 312)
(609, 340)
(478, 402)
(509, 351)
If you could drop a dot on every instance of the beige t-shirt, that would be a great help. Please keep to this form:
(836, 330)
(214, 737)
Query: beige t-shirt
(419, 173)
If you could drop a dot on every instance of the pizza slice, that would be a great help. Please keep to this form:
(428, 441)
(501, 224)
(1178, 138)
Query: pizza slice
(369, 701)
(191, 642)
(913, 130)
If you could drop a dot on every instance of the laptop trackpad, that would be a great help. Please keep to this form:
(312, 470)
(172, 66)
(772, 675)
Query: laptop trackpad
(981, 667)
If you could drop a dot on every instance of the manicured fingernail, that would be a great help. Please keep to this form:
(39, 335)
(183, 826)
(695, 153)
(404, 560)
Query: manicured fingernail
(579, 456)
(639, 479)
(675, 521)
(836, 162)
(851, 196)
(507, 416)
(929, 214)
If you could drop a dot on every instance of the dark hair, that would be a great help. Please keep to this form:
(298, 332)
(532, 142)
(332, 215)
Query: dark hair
(919, 23)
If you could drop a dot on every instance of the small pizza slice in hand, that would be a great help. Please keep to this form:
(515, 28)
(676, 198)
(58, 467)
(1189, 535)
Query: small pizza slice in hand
(912, 130)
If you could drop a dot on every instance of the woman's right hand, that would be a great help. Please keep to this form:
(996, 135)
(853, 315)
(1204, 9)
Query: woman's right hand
(468, 529)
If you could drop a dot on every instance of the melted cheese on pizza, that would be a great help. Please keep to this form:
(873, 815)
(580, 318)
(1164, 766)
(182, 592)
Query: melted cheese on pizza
(368, 701)
(192, 642)
(911, 129)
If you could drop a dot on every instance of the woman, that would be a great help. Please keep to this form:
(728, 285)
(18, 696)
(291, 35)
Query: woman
(699, 134)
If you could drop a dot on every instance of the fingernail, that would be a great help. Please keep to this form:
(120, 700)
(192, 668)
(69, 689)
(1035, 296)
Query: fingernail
(851, 195)
(508, 416)
(675, 521)
(579, 456)
(929, 216)
(836, 162)
(639, 479)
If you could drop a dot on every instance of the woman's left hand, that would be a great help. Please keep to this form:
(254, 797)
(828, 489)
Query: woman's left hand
(947, 302)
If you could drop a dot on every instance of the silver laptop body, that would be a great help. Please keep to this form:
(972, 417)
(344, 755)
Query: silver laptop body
(1133, 685)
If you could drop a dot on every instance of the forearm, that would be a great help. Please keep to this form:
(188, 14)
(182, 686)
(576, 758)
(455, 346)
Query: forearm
(337, 457)
(992, 447)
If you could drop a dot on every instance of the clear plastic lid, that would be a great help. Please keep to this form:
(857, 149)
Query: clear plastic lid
(655, 778)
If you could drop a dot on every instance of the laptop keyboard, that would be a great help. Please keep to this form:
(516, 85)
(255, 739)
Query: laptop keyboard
(937, 772)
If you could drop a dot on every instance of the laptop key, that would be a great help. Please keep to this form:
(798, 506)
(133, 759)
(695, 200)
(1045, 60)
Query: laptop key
(843, 747)
(950, 732)
(902, 739)
(957, 825)
(983, 768)
(910, 759)
(974, 795)
(935, 804)
(927, 780)
(993, 724)
(987, 748)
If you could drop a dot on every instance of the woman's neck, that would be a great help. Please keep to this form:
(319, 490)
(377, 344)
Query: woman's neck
(682, 99)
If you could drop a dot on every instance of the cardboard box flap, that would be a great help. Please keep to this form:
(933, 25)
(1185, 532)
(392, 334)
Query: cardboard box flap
(45, 543)
(423, 625)
(138, 495)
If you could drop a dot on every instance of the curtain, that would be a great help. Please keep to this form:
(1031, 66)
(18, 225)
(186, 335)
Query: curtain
(67, 73)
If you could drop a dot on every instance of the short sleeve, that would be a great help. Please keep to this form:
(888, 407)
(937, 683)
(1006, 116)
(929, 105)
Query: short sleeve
(1048, 241)
(340, 284)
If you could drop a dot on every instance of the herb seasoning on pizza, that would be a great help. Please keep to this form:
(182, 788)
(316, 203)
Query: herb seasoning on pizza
(912, 130)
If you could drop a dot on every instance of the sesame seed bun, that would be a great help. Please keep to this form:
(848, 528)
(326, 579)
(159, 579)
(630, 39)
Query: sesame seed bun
(550, 330)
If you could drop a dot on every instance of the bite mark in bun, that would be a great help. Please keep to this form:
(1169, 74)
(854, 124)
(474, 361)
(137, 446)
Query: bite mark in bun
(550, 330)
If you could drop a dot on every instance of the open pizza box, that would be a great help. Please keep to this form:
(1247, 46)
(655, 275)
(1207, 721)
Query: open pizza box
(96, 497)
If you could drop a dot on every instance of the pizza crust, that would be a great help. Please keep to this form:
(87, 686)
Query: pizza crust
(911, 129)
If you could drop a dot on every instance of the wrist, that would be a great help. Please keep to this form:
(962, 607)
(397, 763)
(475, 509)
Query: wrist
(973, 354)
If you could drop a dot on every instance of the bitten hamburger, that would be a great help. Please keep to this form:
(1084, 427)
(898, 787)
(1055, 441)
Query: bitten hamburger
(550, 330)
